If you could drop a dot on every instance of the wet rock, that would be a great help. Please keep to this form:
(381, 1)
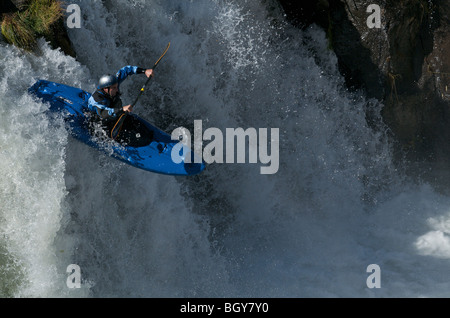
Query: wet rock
(404, 62)
(20, 4)
(6, 6)
(37, 19)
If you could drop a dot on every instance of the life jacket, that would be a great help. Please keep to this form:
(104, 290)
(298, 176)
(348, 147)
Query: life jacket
(105, 105)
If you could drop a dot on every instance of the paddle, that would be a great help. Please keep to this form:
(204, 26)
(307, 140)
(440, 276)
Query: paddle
(118, 126)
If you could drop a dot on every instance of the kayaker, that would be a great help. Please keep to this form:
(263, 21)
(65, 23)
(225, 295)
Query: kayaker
(105, 102)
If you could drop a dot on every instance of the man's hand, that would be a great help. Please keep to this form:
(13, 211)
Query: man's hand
(149, 72)
(127, 108)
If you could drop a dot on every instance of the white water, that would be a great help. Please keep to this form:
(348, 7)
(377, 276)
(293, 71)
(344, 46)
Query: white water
(336, 205)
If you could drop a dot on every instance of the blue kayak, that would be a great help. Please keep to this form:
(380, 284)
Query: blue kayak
(150, 148)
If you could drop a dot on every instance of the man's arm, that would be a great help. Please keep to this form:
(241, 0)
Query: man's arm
(125, 71)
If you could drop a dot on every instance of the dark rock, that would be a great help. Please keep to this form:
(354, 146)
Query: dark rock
(405, 63)
(59, 38)
(20, 4)
(6, 6)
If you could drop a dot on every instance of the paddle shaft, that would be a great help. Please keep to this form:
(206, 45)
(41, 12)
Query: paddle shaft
(118, 126)
(149, 78)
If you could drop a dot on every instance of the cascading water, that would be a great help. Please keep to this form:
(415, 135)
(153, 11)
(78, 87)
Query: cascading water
(336, 204)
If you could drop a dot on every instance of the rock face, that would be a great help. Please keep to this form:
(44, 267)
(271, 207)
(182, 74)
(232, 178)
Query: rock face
(20, 4)
(23, 32)
(7, 6)
(405, 62)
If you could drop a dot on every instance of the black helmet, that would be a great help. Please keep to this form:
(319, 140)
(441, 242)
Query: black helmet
(106, 81)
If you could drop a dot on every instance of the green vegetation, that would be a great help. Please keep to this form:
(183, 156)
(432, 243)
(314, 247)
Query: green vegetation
(36, 20)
